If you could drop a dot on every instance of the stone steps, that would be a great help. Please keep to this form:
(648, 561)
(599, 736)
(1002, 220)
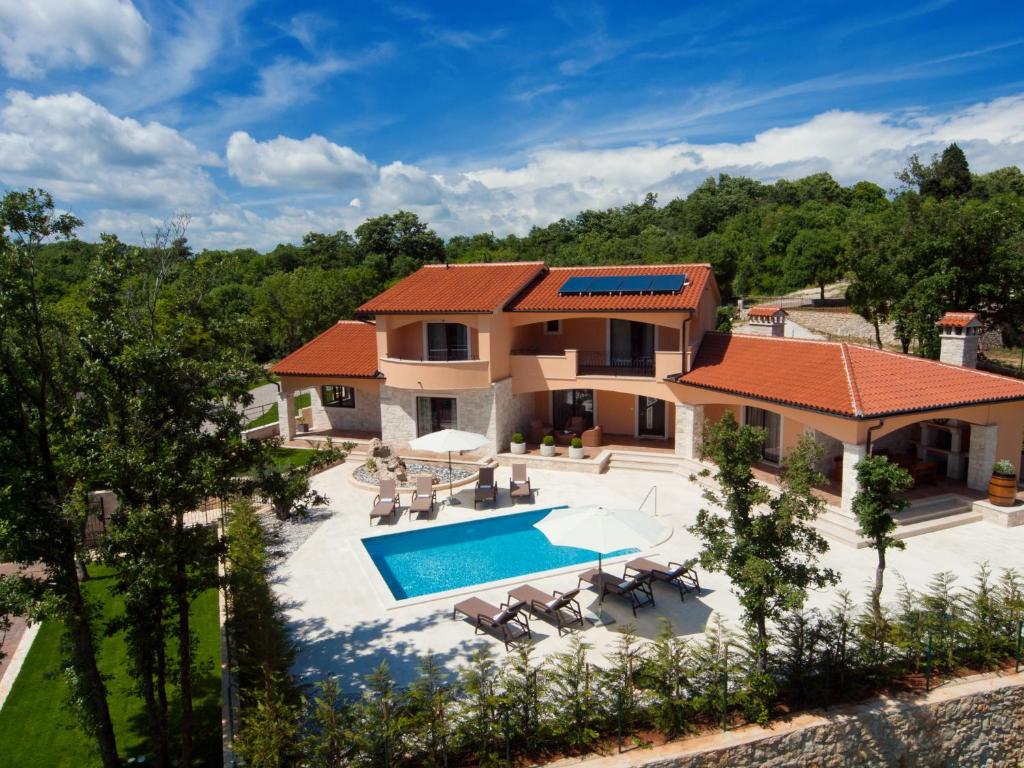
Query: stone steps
(649, 462)
(935, 514)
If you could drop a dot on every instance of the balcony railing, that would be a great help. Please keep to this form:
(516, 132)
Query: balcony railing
(600, 364)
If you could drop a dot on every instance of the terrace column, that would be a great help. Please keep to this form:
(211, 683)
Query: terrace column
(286, 414)
(689, 430)
(852, 453)
(982, 455)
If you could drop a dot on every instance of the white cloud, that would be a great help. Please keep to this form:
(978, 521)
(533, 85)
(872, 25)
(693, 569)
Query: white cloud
(307, 163)
(37, 36)
(80, 152)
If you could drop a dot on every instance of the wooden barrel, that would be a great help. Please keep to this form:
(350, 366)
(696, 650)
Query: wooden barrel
(1002, 491)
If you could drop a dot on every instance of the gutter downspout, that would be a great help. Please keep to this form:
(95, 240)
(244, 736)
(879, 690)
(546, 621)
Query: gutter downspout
(879, 425)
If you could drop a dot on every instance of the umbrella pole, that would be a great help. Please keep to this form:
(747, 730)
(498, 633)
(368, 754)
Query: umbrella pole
(451, 482)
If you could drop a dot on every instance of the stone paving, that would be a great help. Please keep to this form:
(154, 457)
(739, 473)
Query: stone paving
(347, 622)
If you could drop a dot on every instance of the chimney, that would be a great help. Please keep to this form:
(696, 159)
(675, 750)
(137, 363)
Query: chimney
(959, 334)
(770, 321)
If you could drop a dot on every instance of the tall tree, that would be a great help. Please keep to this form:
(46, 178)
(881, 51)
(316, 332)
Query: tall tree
(880, 483)
(764, 543)
(41, 507)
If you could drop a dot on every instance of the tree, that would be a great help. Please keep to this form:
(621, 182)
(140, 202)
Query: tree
(764, 543)
(813, 258)
(42, 508)
(947, 175)
(401, 241)
(879, 485)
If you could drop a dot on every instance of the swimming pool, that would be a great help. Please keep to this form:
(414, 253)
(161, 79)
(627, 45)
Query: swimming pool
(445, 557)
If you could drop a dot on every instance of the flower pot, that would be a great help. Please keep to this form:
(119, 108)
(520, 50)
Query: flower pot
(1002, 490)
(575, 453)
(547, 450)
(518, 448)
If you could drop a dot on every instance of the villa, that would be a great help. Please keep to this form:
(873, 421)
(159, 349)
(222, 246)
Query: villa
(627, 357)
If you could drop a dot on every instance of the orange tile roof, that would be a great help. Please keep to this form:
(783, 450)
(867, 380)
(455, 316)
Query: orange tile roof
(765, 311)
(836, 377)
(544, 297)
(347, 349)
(437, 288)
(957, 319)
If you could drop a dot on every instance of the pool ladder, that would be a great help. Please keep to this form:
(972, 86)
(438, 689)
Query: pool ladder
(654, 490)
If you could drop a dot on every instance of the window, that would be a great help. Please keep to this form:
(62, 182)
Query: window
(447, 341)
(338, 397)
(552, 327)
(434, 414)
(570, 404)
(771, 451)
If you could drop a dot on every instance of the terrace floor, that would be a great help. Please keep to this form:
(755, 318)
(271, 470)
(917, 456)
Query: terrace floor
(347, 622)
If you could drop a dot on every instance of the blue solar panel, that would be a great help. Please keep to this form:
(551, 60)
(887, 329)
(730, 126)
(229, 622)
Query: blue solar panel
(619, 284)
(576, 285)
(668, 283)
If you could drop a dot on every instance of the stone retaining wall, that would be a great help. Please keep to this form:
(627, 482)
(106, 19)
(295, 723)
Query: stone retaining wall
(979, 722)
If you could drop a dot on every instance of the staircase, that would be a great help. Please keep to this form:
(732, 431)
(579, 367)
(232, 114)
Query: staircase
(936, 513)
(651, 462)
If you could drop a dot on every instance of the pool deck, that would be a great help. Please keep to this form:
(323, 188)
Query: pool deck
(347, 622)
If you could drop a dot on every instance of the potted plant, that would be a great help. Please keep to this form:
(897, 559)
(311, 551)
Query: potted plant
(518, 443)
(547, 446)
(301, 425)
(576, 448)
(1002, 488)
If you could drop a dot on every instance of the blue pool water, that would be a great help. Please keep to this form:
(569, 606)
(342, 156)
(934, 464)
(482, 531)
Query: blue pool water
(452, 556)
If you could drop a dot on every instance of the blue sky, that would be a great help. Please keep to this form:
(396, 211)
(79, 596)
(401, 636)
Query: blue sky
(265, 120)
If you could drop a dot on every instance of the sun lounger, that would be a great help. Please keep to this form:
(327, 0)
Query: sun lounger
(636, 589)
(508, 620)
(680, 575)
(486, 490)
(424, 497)
(519, 485)
(386, 502)
(559, 607)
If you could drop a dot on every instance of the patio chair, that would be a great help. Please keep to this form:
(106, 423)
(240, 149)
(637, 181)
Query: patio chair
(539, 430)
(386, 502)
(679, 575)
(424, 497)
(636, 589)
(560, 607)
(593, 438)
(504, 619)
(486, 490)
(519, 486)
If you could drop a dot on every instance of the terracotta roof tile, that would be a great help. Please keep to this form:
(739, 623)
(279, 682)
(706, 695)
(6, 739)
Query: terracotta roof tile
(348, 349)
(957, 319)
(765, 311)
(544, 296)
(437, 288)
(841, 378)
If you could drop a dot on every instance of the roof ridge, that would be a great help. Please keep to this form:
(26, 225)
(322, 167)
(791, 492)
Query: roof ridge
(851, 381)
(484, 264)
(628, 266)
(954, 366)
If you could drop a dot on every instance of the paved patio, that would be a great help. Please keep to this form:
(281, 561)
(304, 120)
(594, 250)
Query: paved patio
(347, 622)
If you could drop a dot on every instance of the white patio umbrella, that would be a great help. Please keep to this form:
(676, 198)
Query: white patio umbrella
(446, 441)
(603, 530)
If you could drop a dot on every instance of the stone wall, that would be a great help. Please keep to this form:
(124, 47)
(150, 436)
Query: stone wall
(974, 723)
(365, 417)
(474, 413)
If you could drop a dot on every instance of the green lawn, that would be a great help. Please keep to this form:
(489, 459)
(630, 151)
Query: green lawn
(37, 729)
(270, 416)
(286, 458)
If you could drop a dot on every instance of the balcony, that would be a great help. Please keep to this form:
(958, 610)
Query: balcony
(600, 364)
(437, 375)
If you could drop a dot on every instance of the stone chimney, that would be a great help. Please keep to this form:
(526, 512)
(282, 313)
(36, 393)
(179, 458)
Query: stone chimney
(768, 321)
(959, 333)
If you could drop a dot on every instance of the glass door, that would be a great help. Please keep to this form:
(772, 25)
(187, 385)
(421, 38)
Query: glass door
(650, 417)
(567, 404)
(434, 414)
(631, 345)
(447, 341)
(771, 422)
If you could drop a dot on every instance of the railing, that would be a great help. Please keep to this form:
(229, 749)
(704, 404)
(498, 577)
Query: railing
(437, 356)
(600, 364)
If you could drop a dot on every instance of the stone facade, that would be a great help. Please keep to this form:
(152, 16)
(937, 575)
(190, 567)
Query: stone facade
(852, 454)
(475, 412)
(365, 417)
(982, 455)
(978, 723)
(689, 430)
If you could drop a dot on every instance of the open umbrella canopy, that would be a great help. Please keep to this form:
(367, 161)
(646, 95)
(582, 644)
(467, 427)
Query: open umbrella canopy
(602, 529)
(448, 440)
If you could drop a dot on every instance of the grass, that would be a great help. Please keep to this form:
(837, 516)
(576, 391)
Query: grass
(270, 415)
(286, 458)
(40, 732)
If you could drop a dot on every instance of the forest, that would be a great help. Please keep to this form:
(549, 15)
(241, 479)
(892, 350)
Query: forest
(943, 238)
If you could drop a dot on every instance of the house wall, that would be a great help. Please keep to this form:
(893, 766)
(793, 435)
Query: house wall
(365, 417)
